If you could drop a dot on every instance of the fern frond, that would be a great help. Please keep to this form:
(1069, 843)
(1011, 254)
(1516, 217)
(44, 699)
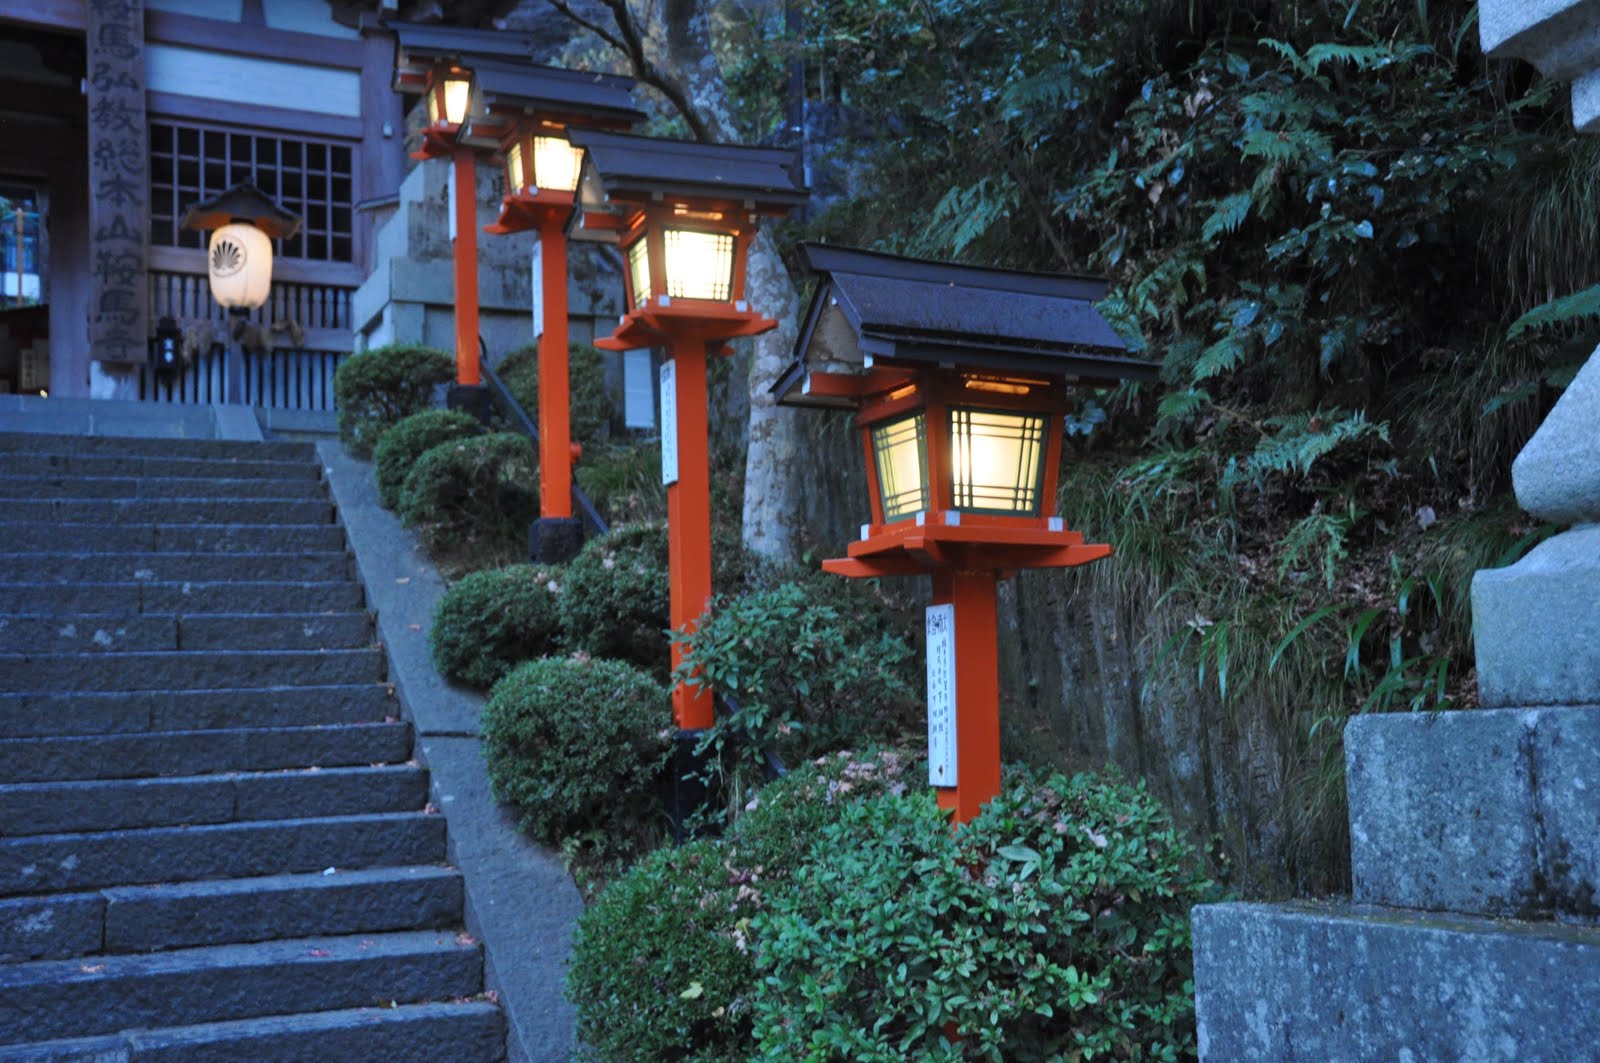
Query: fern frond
(1568, 308)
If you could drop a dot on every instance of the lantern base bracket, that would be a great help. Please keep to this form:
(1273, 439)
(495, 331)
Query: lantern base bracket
(470, 398)
(964, 541)
(554, 540)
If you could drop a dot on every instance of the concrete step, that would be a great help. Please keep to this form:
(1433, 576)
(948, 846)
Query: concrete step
(180, 670)
(456, 1032)
(67, 998)
(126, 487)
(123, 804)
(172, 567)
(63, 715)
(33, 537)
(172, 915)
(174, 510)
(22, 464)
(126, 634)
(162, 753)
(53, 863)
(147, 596)
(1307, 983)
(35, 443)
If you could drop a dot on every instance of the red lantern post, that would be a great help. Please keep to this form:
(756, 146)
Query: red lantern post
(684, 215)
(959, 378)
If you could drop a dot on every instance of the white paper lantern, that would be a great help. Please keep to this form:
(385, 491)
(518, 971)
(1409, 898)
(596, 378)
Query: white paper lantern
(239, 258)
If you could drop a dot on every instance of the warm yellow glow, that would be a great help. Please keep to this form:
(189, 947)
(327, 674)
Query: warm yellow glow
(679, 210)
(452, 93)
(239, 261)
(699, 265)
(998, 387)
(899, 450)
(516, 175)
(639, 271)
(555, 164)
(902, 391)
(996, 460)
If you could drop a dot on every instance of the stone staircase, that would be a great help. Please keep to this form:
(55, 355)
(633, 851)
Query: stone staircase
(213, 842)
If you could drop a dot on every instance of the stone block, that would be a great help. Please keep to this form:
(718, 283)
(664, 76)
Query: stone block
(1339, 984)
(1560, 37)
(1537, 623)
(66, 924)
(1557, 475)
(1487, 812)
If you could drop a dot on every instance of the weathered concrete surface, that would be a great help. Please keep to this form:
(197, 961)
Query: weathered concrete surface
(1341, 984)
(1491, 812)
(1537, 624)
(1557, 475)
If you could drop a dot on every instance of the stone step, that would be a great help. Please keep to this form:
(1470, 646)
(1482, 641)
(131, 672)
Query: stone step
(22, 464)
(35, 537)
(189, 597)
(161, 753)
(170, 511)
(34, 443)
(1308, 983)
(173, 567)
(53, 863)
(124, 804)
(98, 713)
(129, 487)
(455, 1032)
(180, 670)
(172, 915)
(53, 999)
(217, 631)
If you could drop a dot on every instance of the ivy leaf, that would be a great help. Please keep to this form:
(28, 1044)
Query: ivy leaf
(1364, 229)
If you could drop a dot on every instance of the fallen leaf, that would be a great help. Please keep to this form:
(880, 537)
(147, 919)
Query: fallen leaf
(403, 579)
(694, 992)
(316, 952)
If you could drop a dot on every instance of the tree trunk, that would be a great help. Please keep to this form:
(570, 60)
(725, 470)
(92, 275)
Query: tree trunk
(772, 467)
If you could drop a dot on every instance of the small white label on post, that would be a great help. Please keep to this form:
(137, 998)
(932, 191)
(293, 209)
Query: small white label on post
(450, 200)
(537, 273)
(669, 422)
(941, 623)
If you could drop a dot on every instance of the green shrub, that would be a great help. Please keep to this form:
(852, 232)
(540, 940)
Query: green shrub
(808, 676)
(663, 964)
(614, 599)
(1054, 925)
(591, 408)
(375, 389)
(399, 448)
(623, 480)
(478, 494)
(491, 621)
(576, 744)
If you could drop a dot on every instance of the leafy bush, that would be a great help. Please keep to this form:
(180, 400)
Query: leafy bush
(479, 493)
(624, 481)
(614, 599)
(663, 964)
(376, 389)
(399, 448)
(1054, 925)
(491, 621)
(591, 405)
(576, 744)
(808, 676)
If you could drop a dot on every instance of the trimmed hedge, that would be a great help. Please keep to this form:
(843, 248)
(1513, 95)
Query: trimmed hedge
(399, 448)
(489, 622)
(591, 405)
(375, 389)
(614, 600)
(479, 493)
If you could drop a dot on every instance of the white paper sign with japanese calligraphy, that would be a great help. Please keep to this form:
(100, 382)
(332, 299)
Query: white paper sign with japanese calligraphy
(941, 624)
(669, 422)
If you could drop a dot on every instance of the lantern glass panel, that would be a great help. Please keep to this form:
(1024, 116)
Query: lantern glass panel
(639, 271)
(555, 164)
(516, 171)
(996, 460)
(699, 265)
(456, 90)
(899, 450)
(239, 262)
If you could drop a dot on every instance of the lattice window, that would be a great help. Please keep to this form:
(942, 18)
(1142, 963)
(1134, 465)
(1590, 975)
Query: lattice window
(312, 178)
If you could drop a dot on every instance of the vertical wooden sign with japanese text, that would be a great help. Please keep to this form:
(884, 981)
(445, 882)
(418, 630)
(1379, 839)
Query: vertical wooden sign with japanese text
(941, 624)
(119, 185)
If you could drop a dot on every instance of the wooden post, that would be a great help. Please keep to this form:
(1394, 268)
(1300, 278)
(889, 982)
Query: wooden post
(977, 690)
(466, 259)
(555, 391)
(119, 185)
(689, 519)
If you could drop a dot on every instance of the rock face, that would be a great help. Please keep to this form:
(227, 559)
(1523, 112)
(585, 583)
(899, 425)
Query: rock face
(1557, 475)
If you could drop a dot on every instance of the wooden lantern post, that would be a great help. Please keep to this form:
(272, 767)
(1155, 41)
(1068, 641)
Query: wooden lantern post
(683, 215)
(438, 62)
(959, 378)
(523, 113)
